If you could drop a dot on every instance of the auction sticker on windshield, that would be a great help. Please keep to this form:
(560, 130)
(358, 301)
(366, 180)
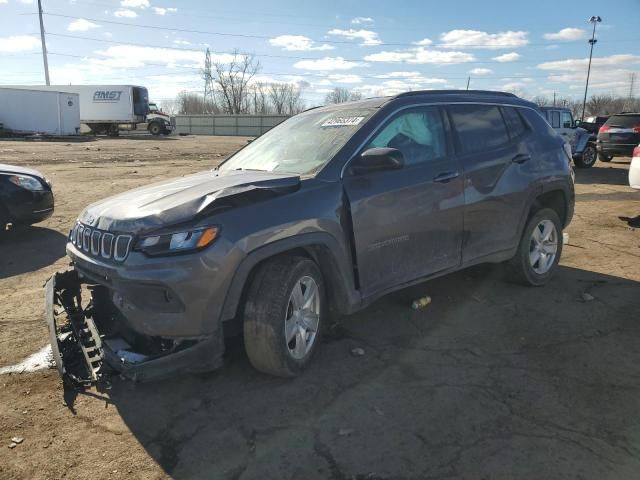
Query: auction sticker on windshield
(342, 121)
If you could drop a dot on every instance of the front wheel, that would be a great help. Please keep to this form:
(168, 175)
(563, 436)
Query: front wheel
(154, 129)
(603, 157)
(539, 251)
(588, 157)
(283, 315)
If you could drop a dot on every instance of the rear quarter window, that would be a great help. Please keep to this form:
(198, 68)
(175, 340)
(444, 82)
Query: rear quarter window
(479, 127)
(514, 121)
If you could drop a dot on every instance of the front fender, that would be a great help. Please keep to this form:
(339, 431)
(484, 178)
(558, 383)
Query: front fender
(332, 256)
(582, 140)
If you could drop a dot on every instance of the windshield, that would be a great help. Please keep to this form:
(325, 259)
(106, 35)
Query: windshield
(302, 144)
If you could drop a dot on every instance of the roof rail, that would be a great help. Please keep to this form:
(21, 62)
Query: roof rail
(488, 93)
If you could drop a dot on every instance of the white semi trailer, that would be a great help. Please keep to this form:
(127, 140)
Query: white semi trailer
(47, 112)
(106, 108)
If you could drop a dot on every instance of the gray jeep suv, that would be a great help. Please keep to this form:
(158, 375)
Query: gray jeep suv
(323, 214)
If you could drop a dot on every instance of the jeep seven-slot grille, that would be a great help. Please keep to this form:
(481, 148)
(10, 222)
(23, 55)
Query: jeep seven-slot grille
(98, 243)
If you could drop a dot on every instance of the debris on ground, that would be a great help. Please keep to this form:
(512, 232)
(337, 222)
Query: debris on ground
(357, 352)
(421, 302)
(565, 238)
(13, 445)
(587, 297)
(17, 440)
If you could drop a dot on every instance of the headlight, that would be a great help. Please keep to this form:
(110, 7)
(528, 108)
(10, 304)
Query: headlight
(177, 242)
(29, 183)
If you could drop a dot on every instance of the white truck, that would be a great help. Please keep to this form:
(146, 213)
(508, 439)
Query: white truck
(158, 122)
(106, 108)
(45, 112)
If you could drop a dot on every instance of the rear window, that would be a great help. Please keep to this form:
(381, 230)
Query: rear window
(479, 127)
(627, 121)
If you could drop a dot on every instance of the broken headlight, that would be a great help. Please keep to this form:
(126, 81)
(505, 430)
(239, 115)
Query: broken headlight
(177, 242)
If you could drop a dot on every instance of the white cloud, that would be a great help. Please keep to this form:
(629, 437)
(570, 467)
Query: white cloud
(361, 20)
(4, 2)
(350, 78)
(297, 43)
(513, 86)
(421, 55)
(478, 39)
(327, 64)
(27, 2)
(125, 13)
(394, 87)
(108, 34)
(368, 37)
(423, 43)
(567, 34)
(507, 57)
(182, 42)
(480, 71)
(399, 75)
(81, 25)
(164, 11)
(134, 3)
(579, 64)
(18, 43)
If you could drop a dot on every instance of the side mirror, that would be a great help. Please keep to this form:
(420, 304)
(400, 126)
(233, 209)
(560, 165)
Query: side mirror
(577, 123)
(377, 159)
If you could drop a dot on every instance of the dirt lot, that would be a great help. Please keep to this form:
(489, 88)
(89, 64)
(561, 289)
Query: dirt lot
(491, 381)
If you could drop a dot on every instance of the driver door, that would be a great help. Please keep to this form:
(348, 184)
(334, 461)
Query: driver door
(407, 223)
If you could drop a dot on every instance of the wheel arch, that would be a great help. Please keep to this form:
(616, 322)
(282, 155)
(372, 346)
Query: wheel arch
(322, 248)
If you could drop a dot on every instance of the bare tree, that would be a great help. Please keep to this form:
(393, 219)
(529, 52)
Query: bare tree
(278, 93)
(233, 80)
(341, 95)
(189, 103)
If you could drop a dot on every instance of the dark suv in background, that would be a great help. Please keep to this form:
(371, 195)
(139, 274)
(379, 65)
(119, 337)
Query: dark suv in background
(323, 214)
(618, 136)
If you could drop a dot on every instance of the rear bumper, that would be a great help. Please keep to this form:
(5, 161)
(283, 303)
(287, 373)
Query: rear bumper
(90, 342)
(618, 149)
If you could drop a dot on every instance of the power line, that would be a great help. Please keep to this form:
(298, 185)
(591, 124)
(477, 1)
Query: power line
(267, 37)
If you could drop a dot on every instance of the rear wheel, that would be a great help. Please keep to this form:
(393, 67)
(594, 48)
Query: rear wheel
(284, 315)
(603, 157)
(539, 251)
(113, 130)
(588, 157)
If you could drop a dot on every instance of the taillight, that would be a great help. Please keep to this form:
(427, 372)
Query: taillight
(636, 151)
(636, 129)
(604, 129)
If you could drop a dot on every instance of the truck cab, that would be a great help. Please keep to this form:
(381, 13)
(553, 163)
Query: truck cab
(158, 122)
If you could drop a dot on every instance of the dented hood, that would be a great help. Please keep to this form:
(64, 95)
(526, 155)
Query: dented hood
(178, 200)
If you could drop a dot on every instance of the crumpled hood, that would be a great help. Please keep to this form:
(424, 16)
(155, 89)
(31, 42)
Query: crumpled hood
(178, 200)
(12, 170)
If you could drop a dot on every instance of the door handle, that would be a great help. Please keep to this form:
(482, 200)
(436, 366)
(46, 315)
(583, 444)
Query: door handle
(445, 177)
(521, 158)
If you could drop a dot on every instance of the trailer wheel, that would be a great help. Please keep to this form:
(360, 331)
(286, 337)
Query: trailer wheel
(154, 128)
(113, 130)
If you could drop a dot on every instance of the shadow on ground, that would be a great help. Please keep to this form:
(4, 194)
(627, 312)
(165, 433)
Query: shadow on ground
(27, 249)
(602, 173)
(492, 380)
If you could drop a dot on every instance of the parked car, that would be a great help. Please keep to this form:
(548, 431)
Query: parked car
(582, 141)
(323, 214)
(634, 169)
(592, 124)
(25, 196)
(618, 136)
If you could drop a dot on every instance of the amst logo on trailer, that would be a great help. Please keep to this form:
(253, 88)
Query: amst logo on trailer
(107, 95)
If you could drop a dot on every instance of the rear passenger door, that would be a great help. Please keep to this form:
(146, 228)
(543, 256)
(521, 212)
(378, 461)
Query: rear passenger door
(496, 191)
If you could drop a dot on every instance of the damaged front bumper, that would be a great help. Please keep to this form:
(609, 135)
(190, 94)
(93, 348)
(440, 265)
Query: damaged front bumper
(94, 341)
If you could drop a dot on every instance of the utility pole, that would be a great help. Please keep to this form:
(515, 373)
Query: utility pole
(468, 81)
(554, 98)
(595, 20)
(632, 84)
(44, 45)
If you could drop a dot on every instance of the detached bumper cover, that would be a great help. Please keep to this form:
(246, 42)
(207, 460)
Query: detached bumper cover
(84, 355)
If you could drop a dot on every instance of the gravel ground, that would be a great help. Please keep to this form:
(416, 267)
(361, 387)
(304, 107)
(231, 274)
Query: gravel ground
(491, 381)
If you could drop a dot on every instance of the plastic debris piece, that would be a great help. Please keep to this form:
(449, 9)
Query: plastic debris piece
(421, 302)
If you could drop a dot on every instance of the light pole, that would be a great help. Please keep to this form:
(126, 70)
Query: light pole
(44, 44)
(595, 20)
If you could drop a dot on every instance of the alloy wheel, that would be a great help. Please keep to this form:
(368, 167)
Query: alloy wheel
(543, 247)
(302, 317)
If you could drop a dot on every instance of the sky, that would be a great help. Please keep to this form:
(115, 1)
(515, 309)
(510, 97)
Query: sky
(375, 47)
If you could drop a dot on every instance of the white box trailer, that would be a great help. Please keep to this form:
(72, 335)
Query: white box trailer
(47, 112)
(106, 108)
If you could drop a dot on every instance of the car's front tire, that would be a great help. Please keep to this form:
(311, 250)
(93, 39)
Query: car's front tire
(588, 157)
(603, 157)
(538, 254)
(284, 315)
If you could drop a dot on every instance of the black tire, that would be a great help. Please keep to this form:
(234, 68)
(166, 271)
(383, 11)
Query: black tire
(519, 267)
(166, 132)
(267, 306)
(603, 157)
(113, 130)
(155, 128)
(588, 157)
